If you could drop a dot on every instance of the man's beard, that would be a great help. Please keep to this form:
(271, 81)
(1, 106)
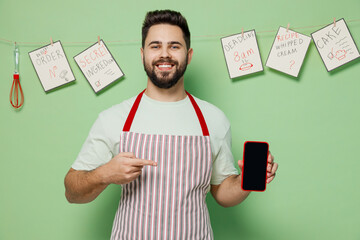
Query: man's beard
(165, 80)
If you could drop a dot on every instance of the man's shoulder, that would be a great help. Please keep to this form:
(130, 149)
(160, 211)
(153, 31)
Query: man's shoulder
(215, 118)
(119, 110)
(208, 108)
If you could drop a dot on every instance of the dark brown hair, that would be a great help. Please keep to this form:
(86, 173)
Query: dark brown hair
(165, 17)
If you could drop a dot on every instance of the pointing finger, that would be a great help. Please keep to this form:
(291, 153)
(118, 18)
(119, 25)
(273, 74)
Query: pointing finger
(127, 154)
(142, 162)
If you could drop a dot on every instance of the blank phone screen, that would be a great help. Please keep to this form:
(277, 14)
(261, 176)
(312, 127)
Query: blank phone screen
(255, 163)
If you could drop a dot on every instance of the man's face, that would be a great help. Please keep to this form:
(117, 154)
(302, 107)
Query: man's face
(165, 55)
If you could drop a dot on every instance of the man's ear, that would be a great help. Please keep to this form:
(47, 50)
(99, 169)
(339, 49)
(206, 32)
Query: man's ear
(190, 54)
(142, 55)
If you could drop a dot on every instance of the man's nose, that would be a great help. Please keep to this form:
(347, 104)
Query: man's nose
(165, 53)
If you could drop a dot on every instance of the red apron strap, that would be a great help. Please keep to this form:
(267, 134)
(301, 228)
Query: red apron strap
(135, 106)
(199, 115)
(133, 110)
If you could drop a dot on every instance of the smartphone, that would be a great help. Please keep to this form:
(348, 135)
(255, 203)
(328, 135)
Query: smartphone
(254, 168)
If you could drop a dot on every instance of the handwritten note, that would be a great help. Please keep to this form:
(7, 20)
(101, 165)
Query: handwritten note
(242, 54)
(98, 66)
(288, 51)
(52, 66)
(335, 45)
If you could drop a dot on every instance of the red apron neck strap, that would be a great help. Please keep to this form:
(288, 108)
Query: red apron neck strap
(133, 110)
(199, 115)
(135, 106)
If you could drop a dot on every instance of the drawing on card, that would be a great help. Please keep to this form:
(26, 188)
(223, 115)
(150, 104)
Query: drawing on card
(98, 66)
(335, 45)
(288, 51)
(242, 54)
(51, 66)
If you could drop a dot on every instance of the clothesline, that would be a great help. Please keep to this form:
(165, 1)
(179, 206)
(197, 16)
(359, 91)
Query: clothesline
(138, 40)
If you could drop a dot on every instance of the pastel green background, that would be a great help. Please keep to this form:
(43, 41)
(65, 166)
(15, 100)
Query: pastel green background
(311, 122)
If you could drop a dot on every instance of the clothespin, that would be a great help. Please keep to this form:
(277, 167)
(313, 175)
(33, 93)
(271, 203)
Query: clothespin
(287, 29)
(99, 40)
(334, 22)
(242, 32)
(51, 41)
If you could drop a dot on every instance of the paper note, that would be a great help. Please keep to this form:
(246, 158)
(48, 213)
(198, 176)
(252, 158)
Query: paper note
(288, 51)
(98, 66)
(335, 45)
(242, 54)
(52, 66)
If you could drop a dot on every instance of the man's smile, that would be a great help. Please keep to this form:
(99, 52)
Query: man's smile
(166, 65)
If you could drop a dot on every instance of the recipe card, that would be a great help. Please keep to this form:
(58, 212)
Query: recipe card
(242, 54)
(52, 66)
(98, 66)
(335, 45)
(288, 51)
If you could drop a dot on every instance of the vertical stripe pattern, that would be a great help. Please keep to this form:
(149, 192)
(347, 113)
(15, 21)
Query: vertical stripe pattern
(167, 201)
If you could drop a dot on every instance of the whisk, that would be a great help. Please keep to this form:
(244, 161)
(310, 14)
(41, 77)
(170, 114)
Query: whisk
(16, 89)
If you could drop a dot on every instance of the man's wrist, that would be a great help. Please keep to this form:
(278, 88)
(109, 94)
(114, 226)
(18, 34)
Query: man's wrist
(101, 176)
(238, 180)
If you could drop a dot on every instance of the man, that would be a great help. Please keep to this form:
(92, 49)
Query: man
(166, 148)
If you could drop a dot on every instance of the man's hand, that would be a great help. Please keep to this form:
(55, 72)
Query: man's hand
(85, 186)
(271, 167)
(123, 168)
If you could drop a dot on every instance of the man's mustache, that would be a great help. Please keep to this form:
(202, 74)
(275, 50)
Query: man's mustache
(165, 60)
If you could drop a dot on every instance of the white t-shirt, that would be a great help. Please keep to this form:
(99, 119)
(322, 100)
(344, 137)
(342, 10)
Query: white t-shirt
(156, 117)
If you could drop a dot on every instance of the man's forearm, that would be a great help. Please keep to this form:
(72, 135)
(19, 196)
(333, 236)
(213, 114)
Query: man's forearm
(229, 193)
(83, 186)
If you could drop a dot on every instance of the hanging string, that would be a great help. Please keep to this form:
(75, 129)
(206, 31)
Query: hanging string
(138, 40)
(274, 31)
(5, 40)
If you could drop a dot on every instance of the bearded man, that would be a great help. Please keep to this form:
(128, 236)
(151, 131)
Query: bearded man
(165, 147)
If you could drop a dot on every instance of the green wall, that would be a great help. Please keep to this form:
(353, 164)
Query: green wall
(311, 122)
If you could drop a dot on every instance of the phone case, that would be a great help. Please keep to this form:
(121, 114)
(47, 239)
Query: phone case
(242, 175)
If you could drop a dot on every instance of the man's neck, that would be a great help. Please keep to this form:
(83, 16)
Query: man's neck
(173, 94)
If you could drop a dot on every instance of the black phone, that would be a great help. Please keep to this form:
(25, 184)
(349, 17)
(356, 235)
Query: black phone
(254, 168)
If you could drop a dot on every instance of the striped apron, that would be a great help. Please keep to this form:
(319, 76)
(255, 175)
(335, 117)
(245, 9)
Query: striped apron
(167, 201)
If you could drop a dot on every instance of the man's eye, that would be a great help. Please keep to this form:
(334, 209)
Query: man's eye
(154, 46)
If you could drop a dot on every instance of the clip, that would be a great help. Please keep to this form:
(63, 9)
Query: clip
(287, 29)
(51, 41)
(334, 22)
(242, 32)
(99, 40)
